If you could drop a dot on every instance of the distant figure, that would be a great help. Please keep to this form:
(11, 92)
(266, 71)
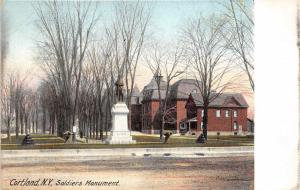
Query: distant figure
(167, 136)
(27, 140)
(200, 139)
(119, 89)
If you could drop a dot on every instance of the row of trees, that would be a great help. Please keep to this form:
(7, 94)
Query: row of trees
(82, 67)
(19, 105)
(82, 61)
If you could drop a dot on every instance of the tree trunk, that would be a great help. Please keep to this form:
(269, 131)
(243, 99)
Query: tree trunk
(33, 127)
(26, 124)
(94, 124)
(84, 127)
(205, 120)
(53, 125)
(36, 119)
(162, 127)
(90, 126)
(36, 124)
(17, 123)
(101, 125)
(29, 125)
(22, 122)
(8, 131)
(50, 124)
(60, 124)
(44, 121)
(106, 124)
(97, 126)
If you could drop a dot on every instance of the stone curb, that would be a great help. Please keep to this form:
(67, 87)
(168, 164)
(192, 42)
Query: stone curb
(120, 152)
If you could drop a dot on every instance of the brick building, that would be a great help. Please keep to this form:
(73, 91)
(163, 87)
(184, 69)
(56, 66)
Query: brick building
(179, 95)
(176, 101)
(150, 105)
(227, 114)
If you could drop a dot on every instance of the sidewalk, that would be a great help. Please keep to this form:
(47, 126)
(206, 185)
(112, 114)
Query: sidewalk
(73, 155)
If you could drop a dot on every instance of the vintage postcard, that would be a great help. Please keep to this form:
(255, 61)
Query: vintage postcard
(131, 94)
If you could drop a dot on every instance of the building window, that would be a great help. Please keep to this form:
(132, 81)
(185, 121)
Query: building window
(201, 125)
(234, 113)
(194, 91)
(226, 113)
(235, 126)
(202, 113)
(218, 113)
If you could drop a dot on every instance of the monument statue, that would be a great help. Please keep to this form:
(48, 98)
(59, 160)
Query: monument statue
(119, 133)
(119, 89)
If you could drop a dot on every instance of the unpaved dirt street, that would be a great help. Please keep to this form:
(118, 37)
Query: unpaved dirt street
(140, 173)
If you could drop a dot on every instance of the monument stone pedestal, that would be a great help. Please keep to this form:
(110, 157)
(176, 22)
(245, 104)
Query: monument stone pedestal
(76, 136)
(119, 133)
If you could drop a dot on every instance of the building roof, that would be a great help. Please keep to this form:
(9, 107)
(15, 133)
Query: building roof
(136, 92)
(150, 91)
(223, 100)
(152, 85)
(153, 95)
(137, 96)
(183, 88)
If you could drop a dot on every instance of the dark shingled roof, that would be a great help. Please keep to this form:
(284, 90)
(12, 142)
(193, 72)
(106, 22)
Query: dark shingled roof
(223, 100)
(153, 85)
(150, 91)
(153, 95)
(183, 88)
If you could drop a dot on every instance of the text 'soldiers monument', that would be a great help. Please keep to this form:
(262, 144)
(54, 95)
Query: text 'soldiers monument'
(119, 133)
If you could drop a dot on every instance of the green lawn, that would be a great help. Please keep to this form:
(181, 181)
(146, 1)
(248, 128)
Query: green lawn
(143, 141)
(13, 140)
(38, 139)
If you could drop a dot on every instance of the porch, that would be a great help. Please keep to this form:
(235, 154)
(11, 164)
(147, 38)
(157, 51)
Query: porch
(188, 126)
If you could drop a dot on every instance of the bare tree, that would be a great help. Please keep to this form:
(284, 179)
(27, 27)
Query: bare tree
(167, 63)
(129, 32)
(28, 109)
(87, 102)
(44, 99)
(239, 15)
(7, 103)
(48, 103)
(99, 58)
(18, 94)
(207, 54)
(66, 29)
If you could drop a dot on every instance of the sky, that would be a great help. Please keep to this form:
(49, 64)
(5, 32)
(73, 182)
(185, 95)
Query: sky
(167, 19)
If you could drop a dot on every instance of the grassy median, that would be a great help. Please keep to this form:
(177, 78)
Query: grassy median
(143, 141)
